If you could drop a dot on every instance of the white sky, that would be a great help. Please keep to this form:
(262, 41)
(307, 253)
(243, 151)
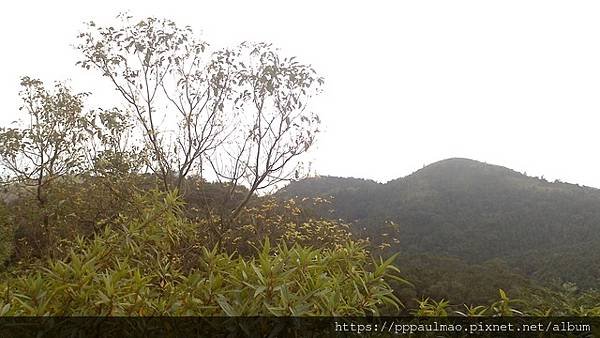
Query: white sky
(514, 83)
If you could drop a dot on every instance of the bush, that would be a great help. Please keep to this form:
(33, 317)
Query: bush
(76, 206)
(283, 221)
(153, 265)
(539, 302)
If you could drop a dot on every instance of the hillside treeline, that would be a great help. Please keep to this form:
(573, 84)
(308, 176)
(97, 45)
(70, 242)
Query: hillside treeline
(469, 215)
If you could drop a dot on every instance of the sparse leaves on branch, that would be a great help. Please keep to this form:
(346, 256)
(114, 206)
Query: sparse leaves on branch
(163, 73)
(51, 142)
(243, 110)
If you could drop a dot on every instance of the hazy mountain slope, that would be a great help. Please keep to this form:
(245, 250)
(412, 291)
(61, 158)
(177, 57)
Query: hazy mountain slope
(474, 211)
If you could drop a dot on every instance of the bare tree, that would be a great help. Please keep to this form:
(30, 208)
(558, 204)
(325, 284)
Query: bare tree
(274, 127)
(242, 110)
(163, 73)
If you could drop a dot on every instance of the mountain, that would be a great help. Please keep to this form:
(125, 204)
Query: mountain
(475, 212)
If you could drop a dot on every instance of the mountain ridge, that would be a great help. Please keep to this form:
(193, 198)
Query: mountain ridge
(460, 162)
(470, 210)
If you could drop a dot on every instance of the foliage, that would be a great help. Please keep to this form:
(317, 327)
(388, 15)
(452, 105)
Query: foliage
(240, 111)
(457, 281)
(152, 265)
(6, 234)
(153, 59)
(50, 144)
(538, 302)
(285, 221)
(51, 141)
(563, 300)
(75, 207)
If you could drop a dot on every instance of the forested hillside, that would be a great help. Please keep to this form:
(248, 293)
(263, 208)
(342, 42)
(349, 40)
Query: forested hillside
(474, 212)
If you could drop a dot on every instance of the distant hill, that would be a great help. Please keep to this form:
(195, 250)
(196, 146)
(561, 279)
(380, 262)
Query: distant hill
(475, 212)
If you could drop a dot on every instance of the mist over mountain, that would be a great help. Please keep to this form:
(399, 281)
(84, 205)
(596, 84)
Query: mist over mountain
(475, 212)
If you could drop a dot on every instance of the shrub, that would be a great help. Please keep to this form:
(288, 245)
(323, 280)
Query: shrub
(152, 265)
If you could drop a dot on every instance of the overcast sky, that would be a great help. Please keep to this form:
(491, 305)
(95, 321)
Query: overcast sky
(514, 83)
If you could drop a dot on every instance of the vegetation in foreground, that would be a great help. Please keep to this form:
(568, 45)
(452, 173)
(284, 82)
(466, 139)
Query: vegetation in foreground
(153, 263)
